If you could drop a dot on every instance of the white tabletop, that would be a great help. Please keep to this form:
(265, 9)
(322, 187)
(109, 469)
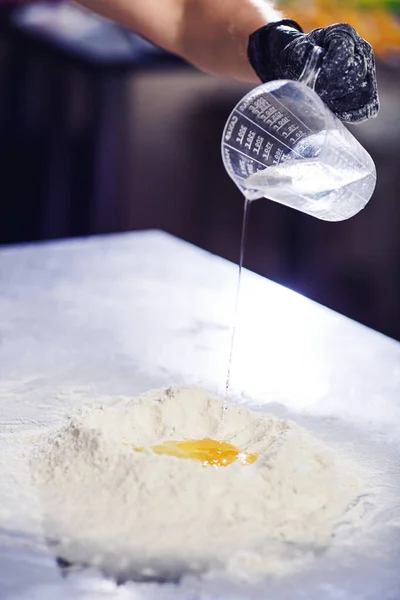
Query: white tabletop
(118, 315)
(122, 313)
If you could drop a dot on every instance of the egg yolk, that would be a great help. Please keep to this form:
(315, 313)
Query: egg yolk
(207, 451)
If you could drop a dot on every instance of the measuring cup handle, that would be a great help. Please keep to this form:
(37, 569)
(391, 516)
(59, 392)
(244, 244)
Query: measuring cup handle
(312, 67)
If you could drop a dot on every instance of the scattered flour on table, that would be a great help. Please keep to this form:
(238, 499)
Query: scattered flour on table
(143, 515)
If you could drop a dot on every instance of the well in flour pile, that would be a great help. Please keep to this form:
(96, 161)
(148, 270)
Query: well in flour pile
(144, 515)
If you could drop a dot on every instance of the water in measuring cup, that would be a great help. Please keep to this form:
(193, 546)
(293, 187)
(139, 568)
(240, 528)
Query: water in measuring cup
(334, 189)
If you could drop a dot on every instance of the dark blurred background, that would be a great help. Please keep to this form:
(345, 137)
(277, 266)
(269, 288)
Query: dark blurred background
(101, 132)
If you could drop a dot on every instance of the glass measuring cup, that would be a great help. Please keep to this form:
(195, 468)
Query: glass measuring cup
(283, 143)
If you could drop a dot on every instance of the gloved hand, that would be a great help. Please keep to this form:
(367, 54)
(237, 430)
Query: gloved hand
(347, 79)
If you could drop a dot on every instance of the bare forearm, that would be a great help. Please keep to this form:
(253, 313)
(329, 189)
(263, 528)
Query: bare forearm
(212, 34)
(216, 34)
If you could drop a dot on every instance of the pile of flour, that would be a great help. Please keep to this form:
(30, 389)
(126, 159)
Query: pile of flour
(142, 515)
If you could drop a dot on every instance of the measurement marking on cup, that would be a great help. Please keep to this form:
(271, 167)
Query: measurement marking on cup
(244, 154)
(293, 115)
(268, 133)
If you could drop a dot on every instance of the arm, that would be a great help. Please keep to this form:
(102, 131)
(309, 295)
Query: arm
(247, 40)
(211, 34)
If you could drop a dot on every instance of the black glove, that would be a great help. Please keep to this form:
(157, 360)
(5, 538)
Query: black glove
(347, 79)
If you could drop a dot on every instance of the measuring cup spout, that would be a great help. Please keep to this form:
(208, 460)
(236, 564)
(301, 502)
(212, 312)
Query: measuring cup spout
(312, 67)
